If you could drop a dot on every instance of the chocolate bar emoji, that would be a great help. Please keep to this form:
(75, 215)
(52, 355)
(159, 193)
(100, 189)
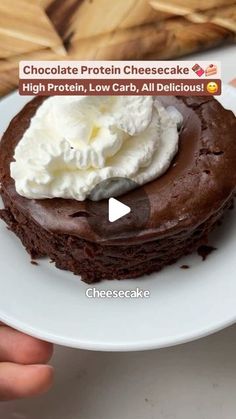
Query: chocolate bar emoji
(198, 70)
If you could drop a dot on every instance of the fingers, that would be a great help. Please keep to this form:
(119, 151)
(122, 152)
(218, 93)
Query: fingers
(22, 349)
(16, 379)
(20, 381)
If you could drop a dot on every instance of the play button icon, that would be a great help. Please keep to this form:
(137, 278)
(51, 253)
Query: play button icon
(117, 210)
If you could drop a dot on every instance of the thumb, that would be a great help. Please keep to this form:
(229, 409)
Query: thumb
(20, 381)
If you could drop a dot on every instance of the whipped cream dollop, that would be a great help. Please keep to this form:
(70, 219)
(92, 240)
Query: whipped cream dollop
(75, 142)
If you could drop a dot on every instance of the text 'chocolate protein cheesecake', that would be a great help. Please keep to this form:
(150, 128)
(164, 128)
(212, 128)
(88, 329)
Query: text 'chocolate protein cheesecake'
(172, 160)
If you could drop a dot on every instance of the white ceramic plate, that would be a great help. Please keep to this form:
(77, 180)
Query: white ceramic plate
(184, 304)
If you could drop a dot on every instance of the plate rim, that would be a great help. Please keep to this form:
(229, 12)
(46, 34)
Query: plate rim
(122, 347)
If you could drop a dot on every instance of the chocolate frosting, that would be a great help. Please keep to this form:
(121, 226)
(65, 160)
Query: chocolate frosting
(200, 180)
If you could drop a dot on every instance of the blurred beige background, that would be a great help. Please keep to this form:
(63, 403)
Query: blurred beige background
(105, 29)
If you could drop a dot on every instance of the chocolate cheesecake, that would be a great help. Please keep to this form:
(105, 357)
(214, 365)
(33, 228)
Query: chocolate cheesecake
(185, 203)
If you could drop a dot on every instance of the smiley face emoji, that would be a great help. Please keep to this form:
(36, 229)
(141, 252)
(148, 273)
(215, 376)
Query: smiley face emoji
(212, 87)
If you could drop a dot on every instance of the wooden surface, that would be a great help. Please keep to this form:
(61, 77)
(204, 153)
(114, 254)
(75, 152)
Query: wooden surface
(24, 27)
(103, 29)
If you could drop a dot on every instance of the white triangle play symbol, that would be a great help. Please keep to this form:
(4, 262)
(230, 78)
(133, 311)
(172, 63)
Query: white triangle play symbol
(117, 210)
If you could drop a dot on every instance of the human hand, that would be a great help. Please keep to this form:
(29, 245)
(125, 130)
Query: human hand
(23, 372)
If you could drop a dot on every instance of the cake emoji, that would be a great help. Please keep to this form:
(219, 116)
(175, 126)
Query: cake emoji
(211, 70)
